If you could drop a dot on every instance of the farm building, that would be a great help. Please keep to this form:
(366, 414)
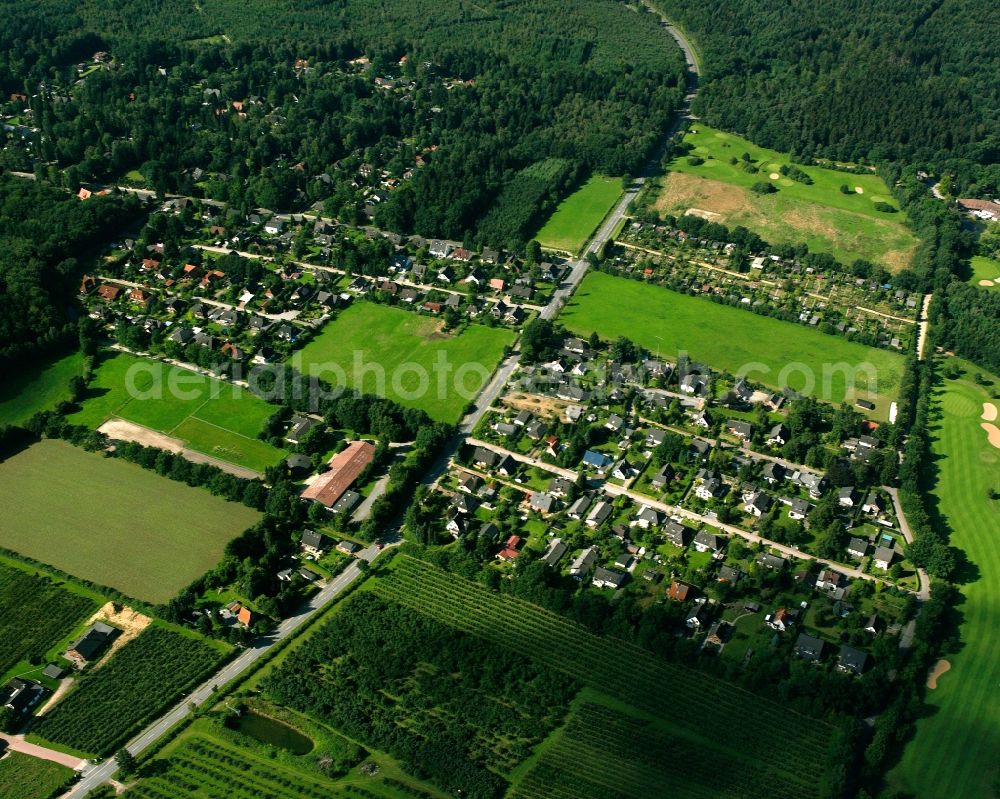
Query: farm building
(345, 467)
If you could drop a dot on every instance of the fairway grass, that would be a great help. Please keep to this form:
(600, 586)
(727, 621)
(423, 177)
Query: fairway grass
(209, 416)
(578, 216)
(771, 351)
(27, 390)
(394, 353)
(848, 226)
(954, 753)
(985, 269)
(112, 522)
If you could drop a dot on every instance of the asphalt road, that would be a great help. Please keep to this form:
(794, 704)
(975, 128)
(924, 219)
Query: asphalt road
(95, 775)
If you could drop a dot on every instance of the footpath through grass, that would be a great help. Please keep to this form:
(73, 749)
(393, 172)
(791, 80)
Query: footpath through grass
(209, 416)
(578, 216)
(845, 224)
(28, 390)
(774, 352)
(112, 522)
(955, 750)
(406, 357)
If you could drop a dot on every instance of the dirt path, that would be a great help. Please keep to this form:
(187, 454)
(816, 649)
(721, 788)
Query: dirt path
(64, 685)
(16, 743)
(924, 325)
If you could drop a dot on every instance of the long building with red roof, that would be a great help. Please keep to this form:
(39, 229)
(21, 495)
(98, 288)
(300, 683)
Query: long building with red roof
(345, 467)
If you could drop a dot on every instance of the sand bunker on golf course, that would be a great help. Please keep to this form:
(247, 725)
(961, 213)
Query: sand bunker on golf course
(939, 668)
(987, 283)
(992, 433)
(774, 176)
(989, 412)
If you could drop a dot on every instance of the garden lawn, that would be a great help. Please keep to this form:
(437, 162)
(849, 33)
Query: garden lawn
(394, 353)
(819, 214)
(26, 777)
(732, 339)
(955, 750)
(984, 269)
(578, 216)
(210, 416)
(112, 522)
(29, 390)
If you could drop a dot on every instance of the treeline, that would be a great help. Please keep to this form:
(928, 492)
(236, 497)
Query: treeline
(43, 232)
(532, 193)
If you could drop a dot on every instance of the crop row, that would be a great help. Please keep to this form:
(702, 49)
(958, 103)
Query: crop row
(34, 614)
(140, 680)
(686, 696)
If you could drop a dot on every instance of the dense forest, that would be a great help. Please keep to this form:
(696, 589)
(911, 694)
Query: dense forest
(476, 93)
(876, 80)
(42, 231)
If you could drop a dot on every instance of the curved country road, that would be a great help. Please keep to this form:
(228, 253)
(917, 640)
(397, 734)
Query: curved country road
(95, 775)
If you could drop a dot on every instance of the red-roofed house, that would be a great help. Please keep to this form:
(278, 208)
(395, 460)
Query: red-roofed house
(510, 548)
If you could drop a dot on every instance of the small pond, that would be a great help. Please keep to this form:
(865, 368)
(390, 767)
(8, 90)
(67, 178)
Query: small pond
(269, 731)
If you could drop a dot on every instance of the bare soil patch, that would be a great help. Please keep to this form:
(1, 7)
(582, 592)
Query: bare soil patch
(939, 668)
(538, 405)
(992, 433)
(989, 412)
(708, 216)
(129, 431)
(129, 621)
(689, 191)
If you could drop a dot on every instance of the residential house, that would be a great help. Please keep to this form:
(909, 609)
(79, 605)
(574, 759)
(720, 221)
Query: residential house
(676, 534)
(857, 547)
(846, 496)
(782, 619)
(809, 647)
(583, 562)
(778, 436)
(662, 476)
(883, 557)
(596, 460)
(19, 696)
(623, 470)
(599, 514)
(541, 502)
(579, 508)
(707, 542)
(560, 486)
(679, 591)
(709, 485)
(719, 633)
(554, 553)
(300, 427)
(609, 578)
(766, 560)
(874, 504)
(757, 503)
(830, 580)
(648, 517)
(91, 643)
(348, 547)
(728, 574)
(742, 430)
(314, 543)
(851, 659)
(699, 617)
(511, 549)
(797, 508)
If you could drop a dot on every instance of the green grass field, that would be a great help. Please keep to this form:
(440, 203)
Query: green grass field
(955, 749)
(25, 777)
(819, 214)
(985, 269)
(28, 391)
(397, 353)
(206, 415)
(730, 338)
(113, 522)
(577, 216)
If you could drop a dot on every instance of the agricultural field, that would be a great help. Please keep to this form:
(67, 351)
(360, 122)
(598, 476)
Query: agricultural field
(141, 680)
(112, 522)
(954, 751)
(578, 216)
(208, 760)
(35, 614)
(395, 353)
(28, 391)
(732, 339)
(209, 416)
(451, 707)
(847, 225)
(26, 777)
(697, 711)
(985, 272)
